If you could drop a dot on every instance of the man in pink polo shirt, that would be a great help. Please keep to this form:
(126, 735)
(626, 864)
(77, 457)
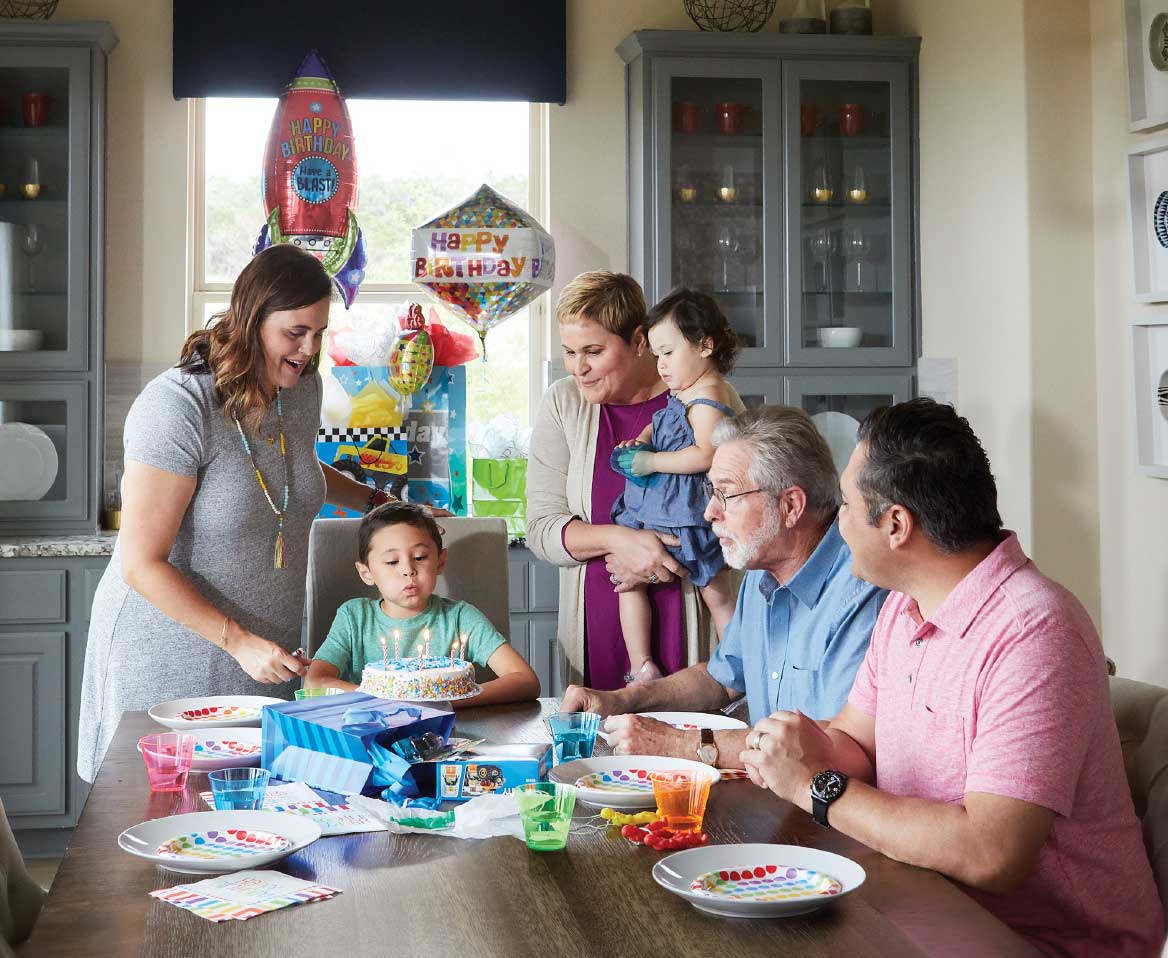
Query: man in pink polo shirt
(978, 739)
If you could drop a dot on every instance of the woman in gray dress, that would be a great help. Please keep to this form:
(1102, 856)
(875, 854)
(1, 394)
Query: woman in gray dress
(204, 594)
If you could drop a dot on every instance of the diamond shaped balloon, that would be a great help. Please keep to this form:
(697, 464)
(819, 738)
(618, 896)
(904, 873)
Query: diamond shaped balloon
(485, 259)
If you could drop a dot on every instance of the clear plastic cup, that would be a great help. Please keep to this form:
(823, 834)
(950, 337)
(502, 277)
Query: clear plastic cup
(239, 788)
(545, 809)
(167, 756)
(573, 734)
(681, 797)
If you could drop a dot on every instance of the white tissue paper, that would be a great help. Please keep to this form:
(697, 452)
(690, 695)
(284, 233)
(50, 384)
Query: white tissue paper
(487, 816)
(499, 438)
(366, 340)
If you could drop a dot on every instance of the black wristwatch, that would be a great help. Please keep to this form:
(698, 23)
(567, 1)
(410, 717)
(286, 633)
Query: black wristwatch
(826, 787)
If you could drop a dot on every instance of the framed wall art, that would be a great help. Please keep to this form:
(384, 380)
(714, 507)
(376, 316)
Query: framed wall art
(1145, 35)
(1150, 367)
(1147, 168)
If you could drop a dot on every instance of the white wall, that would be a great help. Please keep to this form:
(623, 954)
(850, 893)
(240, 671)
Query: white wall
(146, 179)
(1025, 258)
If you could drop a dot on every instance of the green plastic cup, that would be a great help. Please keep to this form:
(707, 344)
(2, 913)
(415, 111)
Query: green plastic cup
(315, 693)
(545, 809)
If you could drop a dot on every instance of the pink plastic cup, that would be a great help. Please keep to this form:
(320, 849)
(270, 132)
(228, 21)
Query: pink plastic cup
(168, 759)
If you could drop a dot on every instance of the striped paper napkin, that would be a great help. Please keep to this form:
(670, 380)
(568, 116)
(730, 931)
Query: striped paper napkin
(243, 895)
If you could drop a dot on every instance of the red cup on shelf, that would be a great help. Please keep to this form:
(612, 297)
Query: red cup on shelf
(808, 118)
(729, 117)
(851, 119)
(687, 116)
(34, 108)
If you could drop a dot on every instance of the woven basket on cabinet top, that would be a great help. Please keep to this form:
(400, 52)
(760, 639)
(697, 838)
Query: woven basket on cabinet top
(28, 9)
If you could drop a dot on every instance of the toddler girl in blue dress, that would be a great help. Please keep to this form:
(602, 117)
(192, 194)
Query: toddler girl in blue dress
(666, 464)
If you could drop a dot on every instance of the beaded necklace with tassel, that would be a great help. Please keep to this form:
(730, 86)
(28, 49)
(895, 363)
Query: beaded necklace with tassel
(278, 556)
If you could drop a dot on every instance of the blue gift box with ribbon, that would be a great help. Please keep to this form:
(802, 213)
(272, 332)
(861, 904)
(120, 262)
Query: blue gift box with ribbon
(341, 743)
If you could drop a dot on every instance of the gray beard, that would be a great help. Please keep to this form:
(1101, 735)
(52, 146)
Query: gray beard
(743, 554)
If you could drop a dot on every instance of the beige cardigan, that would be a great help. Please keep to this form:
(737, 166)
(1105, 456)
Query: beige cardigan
(559, 489)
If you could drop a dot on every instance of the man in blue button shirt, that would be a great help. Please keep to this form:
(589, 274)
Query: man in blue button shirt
(802, 622)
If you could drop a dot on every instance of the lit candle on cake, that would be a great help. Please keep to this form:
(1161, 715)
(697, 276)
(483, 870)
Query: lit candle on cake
(397, 643)
(384, 652)
(419, 656)
(426, 636)
(462, 646)
(453, 652)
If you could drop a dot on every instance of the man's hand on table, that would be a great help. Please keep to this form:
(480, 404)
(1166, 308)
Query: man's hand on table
(577, 698)
(783, 752)
(639, 735)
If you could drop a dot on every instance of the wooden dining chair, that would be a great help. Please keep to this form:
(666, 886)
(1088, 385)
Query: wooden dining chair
(1141, 713)
(476, 570)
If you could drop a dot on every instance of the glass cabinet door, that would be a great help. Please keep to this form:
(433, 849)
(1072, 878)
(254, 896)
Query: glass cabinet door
(716, 126)
(44, 451)
(45, 216)
(849, 203)
(838, 401)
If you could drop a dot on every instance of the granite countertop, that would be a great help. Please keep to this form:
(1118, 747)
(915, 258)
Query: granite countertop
(40, 547)
(94, 544)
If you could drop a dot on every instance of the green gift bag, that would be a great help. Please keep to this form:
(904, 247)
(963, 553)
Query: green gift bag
(500, 489)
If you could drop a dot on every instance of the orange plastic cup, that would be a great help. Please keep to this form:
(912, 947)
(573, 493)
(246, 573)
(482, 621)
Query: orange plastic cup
(681, 797)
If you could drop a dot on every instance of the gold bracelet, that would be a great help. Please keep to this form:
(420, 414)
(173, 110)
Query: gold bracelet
(223, 632)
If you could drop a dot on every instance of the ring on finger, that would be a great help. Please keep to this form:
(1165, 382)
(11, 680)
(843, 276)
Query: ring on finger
(654, 578)
(757, 736)
(614, 579)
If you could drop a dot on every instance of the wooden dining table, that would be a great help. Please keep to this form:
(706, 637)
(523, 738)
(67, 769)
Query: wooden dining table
(433, 896)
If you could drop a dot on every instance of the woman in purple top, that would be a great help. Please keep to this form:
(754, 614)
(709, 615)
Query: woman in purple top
(611, 393)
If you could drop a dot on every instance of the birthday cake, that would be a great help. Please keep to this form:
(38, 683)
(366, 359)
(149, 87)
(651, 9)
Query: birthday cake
(421, 678)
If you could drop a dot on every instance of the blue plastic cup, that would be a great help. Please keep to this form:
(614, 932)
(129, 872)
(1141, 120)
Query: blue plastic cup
(573, 734)
(239, 788)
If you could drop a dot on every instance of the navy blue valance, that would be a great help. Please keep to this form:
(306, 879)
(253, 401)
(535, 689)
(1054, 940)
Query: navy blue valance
(376, 49)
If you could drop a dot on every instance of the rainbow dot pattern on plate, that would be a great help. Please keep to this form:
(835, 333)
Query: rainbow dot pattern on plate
(219, 712)
(618, 780)
(766, 883)
(216, 845)
(219, 748)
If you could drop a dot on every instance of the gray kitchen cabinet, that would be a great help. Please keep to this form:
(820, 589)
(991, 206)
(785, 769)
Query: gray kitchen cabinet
(534, 596)
(52, 235)
(779, 174)
(32, 703)
(850, 391)
(44, 619)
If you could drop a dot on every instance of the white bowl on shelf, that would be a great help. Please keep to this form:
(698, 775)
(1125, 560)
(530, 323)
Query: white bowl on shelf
(12, 340)
(839, 337)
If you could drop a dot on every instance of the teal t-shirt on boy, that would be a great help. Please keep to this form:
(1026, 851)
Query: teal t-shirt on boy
(353, 637)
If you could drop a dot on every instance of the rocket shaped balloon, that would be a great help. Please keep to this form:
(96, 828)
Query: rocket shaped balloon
(309, 181)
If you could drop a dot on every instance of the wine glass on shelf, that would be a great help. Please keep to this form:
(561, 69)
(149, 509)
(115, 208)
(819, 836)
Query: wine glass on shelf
(822, 245)
(858, 186)
(32, 244)
(727, 246)
(856, 249)
(821, 190)
(30, 179)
